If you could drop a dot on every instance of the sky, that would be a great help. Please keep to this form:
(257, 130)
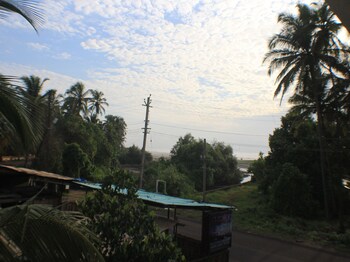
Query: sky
(200, 60)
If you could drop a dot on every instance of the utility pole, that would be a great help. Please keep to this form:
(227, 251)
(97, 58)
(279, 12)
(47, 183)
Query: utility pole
(204, 168)
(147, 104)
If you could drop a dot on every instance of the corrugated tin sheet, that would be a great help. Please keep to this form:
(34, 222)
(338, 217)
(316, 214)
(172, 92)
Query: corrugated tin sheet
(32, 172)
(163, 200)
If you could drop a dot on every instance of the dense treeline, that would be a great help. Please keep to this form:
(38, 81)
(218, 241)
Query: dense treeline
(67, 135)
(303, 172)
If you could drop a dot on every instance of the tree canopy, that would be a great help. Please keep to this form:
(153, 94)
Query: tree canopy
(125, 225)
(187, 156)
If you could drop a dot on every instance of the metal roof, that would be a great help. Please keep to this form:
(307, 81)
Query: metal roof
(163, 200)
(32, 172)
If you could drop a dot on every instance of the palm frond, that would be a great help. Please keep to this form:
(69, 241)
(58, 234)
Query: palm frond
(30, 10)
(41, 233)
(14, 110)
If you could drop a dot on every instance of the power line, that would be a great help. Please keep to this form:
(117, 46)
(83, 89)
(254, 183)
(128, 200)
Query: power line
(209, 131)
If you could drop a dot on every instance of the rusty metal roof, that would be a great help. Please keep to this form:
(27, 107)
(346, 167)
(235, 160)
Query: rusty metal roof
(32, 172)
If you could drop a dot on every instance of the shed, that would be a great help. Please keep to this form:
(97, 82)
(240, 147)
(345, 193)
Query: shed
(18, 184)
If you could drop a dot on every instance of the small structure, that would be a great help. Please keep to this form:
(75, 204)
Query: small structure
(18, 185)
(205, 240)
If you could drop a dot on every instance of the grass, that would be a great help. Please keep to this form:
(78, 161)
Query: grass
(253, 214)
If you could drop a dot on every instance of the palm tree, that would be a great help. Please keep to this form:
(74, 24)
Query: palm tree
(32, 232)
(76, 99)
(51, 105)
(29, 10)
(15, 113)
(97, 102)
(33, 86)
(306, 47)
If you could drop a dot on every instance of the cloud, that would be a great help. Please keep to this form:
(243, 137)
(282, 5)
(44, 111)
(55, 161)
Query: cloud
(201, 60)
(38, 46)
(63, 56)
(171, 46)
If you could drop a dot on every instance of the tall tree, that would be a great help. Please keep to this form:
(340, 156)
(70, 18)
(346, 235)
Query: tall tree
(305, 47)
(97, 102)
(47, 149)
(221, 165)
(33, 86)
(76, 100)
(115, 130)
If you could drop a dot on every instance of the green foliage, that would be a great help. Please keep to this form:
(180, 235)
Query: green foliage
(32, 232)
(291, 194)
(177, 184)
(257, 167)
(75, 162)
(187, 155)
(133, 156)
(115, 130)
(294, 142)
(97, 102)
(124, 224)
(76, 100)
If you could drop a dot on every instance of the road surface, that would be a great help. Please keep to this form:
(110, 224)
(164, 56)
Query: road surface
(253, 248)
(248, 247)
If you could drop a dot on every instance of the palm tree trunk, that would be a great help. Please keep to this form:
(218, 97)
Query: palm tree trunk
(321, 142)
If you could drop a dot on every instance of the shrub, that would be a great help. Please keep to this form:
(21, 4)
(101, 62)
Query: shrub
(291, 193)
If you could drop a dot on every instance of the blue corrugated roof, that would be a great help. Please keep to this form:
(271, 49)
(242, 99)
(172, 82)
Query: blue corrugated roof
(164, 200)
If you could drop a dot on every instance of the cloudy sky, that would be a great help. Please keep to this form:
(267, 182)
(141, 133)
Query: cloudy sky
(200, 59)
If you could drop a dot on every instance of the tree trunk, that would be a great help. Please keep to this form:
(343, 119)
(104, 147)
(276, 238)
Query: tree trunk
(321, 142)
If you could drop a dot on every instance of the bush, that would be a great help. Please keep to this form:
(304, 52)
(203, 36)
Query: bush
(291, 193)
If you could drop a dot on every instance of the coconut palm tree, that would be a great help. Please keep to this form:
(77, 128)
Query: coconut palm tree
(15, 113)
(306, 47)
(33, 85)
(29, 10)
(32, 89)
(76, 100)
(97, 102)
(51, 105)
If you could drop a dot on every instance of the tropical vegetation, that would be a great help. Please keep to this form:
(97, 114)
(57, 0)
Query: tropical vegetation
(125, 225)
(33, 232)
(309, 151)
